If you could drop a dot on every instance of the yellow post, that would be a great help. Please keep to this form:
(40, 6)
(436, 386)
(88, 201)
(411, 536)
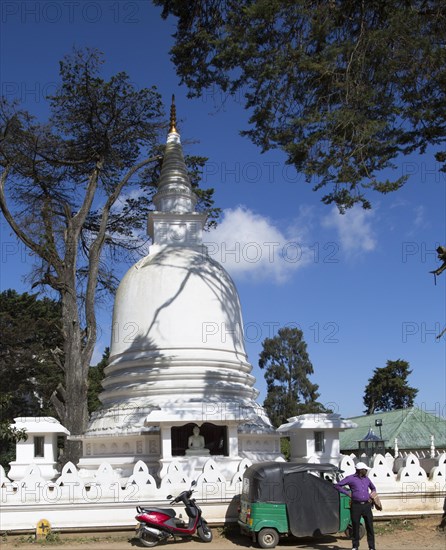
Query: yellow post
(43, 528)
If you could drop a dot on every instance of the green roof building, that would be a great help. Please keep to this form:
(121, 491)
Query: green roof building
(412, 427)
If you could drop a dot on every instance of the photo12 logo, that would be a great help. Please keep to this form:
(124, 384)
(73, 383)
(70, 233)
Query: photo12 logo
(423, 332)
(290, 252)
(426, 173)
(28, 92)
(15, 251)
(250, 172)
(71, 12)
(419, 251)
(252, 331)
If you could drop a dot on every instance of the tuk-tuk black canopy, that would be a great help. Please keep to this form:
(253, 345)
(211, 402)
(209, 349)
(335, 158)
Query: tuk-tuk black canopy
(312, 501)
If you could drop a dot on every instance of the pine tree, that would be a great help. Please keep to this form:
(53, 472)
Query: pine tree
(388, 388)
(287, 367)
(30, 355)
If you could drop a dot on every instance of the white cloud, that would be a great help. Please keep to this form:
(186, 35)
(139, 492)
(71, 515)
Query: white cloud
(420, 219)
(251, 246)
(354, 229)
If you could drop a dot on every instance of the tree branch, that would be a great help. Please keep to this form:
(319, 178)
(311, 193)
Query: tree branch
(56, 352)
(40, 251)
(58, 399)
(79, 218)
(94, 255)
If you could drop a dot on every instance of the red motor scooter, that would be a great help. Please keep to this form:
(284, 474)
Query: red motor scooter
(158, 524)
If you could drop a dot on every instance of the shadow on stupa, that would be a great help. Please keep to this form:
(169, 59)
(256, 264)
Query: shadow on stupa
(198, 265)
(123, 376)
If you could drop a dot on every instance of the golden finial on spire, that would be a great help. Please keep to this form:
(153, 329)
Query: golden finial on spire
(173, 116)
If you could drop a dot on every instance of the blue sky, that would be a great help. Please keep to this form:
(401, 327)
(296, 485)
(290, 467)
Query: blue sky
(358, 285)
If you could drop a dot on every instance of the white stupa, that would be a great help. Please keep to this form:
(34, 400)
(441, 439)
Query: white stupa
(177, 357)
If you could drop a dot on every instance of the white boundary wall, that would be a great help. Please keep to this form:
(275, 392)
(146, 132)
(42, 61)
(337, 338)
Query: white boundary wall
(72, 502)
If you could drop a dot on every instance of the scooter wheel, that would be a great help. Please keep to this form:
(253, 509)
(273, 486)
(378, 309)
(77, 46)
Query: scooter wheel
(205, 533)
(268, 538)
(148, 540)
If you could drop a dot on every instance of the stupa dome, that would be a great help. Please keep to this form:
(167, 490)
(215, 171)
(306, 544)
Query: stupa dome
(177, 332)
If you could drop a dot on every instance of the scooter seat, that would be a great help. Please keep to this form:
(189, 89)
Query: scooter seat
(168, 511)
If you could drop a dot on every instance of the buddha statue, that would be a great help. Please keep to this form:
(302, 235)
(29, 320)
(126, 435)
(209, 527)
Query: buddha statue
(196, 444)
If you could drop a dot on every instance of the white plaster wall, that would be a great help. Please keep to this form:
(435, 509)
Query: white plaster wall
(25, 451)
(103, 501)
(25, 457)
(298, 446)
(303, 446)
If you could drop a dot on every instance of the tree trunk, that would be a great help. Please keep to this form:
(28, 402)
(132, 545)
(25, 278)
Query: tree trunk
(71, 400)
(76, 410)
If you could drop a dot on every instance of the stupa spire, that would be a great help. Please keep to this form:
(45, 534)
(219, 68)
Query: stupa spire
(173, 116)
(174, 189)
(174, 221)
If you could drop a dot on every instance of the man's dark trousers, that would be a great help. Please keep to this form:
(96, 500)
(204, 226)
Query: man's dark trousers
(358, 510)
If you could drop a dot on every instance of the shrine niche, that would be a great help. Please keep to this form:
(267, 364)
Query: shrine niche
(214, 440)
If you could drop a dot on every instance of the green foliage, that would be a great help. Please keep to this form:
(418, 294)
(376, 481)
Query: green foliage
(342, 88)
(393, 526)
(285, 447)
(30, 341)
(52, 538)
(287, 367)
(9, 435)
(388, 389)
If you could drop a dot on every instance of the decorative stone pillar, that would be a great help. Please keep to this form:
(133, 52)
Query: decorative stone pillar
(166, 442)
(40, 447)
(315, 437)
(233, 440)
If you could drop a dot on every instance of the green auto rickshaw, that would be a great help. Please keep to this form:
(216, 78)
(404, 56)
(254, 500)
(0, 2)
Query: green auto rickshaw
(282, 498)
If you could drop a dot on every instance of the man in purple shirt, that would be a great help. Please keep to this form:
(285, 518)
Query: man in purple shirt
(361, 506)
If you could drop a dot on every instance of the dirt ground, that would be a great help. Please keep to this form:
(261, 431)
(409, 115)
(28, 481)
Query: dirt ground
(411, 534)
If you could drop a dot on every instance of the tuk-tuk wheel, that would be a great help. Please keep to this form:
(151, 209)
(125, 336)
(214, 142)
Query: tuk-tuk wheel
(268, 538)
(349, 531)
